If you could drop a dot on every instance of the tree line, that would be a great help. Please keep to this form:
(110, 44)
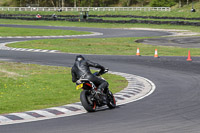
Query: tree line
(96, 3)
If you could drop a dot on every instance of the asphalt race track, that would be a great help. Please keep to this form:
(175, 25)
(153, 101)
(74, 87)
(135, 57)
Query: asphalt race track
(185, 42)
(172, 108)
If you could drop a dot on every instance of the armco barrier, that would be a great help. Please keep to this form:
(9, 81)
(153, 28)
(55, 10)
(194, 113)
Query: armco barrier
(145, 22)
(29, 15)
(148, 17)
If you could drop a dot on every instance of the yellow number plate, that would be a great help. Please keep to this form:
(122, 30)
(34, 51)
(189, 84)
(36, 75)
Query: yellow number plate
(79, 86)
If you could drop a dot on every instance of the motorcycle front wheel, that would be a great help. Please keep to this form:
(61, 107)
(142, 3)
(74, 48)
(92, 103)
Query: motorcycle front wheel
(85, 98)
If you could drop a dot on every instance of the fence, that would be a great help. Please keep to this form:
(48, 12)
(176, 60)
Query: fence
(85, 8)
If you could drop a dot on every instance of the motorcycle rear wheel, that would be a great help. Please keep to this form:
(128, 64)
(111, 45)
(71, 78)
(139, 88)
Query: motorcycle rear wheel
(111, 100)
(85, 98)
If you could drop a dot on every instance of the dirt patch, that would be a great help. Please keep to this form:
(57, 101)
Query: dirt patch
(10, 74)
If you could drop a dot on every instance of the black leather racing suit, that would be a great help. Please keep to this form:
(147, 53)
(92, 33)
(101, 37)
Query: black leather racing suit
(81, 69)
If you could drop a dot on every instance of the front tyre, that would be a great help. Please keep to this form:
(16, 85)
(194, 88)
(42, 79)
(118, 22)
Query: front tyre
(85, 98)
(111, 100)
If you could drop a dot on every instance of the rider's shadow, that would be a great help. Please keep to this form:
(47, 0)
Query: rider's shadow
(105, 108)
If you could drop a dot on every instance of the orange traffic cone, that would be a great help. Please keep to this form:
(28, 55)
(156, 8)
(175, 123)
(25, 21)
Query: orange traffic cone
(138, 52)
(156, 53)
(189, 57)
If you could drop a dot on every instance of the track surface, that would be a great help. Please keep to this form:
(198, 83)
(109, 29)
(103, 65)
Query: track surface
(185, 42)
(172, 108)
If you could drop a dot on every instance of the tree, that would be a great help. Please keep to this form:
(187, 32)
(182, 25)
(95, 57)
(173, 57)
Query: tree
(52, 2)
(142, 2)
(162, 3)
(180, 4)
(95, 3)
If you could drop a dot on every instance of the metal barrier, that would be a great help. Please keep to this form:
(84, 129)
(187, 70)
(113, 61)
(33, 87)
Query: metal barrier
(85, 8)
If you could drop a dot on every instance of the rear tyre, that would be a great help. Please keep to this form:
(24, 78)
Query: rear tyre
(111, 100)
(85, 98)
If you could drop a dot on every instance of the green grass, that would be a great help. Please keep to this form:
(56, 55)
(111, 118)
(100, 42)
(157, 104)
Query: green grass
(175, 11)
(98, 25)
(184, 12)
(8, 31)
(107, 46)
(26, 87)
(187, 8)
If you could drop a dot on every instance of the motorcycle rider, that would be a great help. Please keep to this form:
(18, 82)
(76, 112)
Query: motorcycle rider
(81, 70)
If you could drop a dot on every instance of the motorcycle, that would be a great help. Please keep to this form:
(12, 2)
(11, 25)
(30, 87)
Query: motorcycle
(89, 97)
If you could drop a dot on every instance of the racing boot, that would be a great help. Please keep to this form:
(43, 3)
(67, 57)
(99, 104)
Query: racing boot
(97, 94)
(101, 96)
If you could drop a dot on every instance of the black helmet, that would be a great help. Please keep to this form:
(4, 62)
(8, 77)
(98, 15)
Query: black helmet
(79, 58)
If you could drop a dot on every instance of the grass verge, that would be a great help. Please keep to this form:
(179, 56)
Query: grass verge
(105, 46)
(26, 87)
(98, 25)
(173, 13)
(9, 31)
